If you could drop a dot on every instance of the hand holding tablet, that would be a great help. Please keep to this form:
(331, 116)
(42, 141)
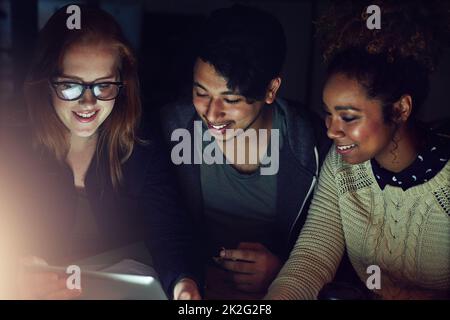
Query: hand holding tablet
(37, 280)
(127, 280)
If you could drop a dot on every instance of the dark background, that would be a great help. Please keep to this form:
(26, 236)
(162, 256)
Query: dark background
(161, 32)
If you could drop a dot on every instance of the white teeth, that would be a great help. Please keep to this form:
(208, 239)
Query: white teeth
(346, 147)
(86, 115)
(219, 127)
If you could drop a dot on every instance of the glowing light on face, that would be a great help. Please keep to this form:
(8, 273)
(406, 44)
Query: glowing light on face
(354, 122)
(218, 106)
(88, 64)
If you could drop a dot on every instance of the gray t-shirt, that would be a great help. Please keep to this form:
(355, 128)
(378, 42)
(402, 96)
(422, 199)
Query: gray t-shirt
(240, 207)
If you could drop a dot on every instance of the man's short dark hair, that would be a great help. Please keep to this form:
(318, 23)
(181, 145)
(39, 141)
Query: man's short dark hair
(246, 45)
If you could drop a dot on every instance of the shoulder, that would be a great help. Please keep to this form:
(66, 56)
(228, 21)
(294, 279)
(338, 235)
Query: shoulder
(349, 176)
(21, 157)
(176, 115)
(148, 163)
(305, 128)
(333, 161)
(146, 152)
(296, 110)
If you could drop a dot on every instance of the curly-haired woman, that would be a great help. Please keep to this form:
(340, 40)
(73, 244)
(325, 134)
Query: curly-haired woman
(384, 189)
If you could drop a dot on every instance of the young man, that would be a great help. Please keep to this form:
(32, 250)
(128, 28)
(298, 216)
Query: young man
(249, 179)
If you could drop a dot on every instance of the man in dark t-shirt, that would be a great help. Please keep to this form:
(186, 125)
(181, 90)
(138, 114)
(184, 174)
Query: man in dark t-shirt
(248, 181)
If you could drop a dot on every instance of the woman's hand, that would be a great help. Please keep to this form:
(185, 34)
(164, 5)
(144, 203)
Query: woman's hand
(42, 285)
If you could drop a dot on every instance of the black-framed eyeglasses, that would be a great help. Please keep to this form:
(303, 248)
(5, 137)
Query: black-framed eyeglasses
(70, 91)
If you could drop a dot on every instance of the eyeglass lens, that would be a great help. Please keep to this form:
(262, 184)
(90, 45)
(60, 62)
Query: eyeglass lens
(72, 91)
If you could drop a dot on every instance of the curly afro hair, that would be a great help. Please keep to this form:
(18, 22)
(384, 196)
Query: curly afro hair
(394, 60)
(415, 29)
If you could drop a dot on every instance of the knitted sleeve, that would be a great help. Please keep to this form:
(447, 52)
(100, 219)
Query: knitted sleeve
(316, 255)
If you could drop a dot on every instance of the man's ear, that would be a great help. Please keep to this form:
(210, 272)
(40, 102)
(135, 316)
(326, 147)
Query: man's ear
(403, 108)
(272, 90)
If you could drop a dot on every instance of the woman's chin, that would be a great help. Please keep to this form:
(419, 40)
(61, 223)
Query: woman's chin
(353, 160)
(84, 134)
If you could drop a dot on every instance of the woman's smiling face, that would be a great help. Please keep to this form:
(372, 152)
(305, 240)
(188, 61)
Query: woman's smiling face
(86, 63)
(354, 121)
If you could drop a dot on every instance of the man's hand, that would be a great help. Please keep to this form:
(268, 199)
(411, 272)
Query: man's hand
(253, 266)
(186, 289)
(42, 285)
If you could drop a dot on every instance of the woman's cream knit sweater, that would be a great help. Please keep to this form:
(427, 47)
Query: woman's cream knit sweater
(405, 233)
